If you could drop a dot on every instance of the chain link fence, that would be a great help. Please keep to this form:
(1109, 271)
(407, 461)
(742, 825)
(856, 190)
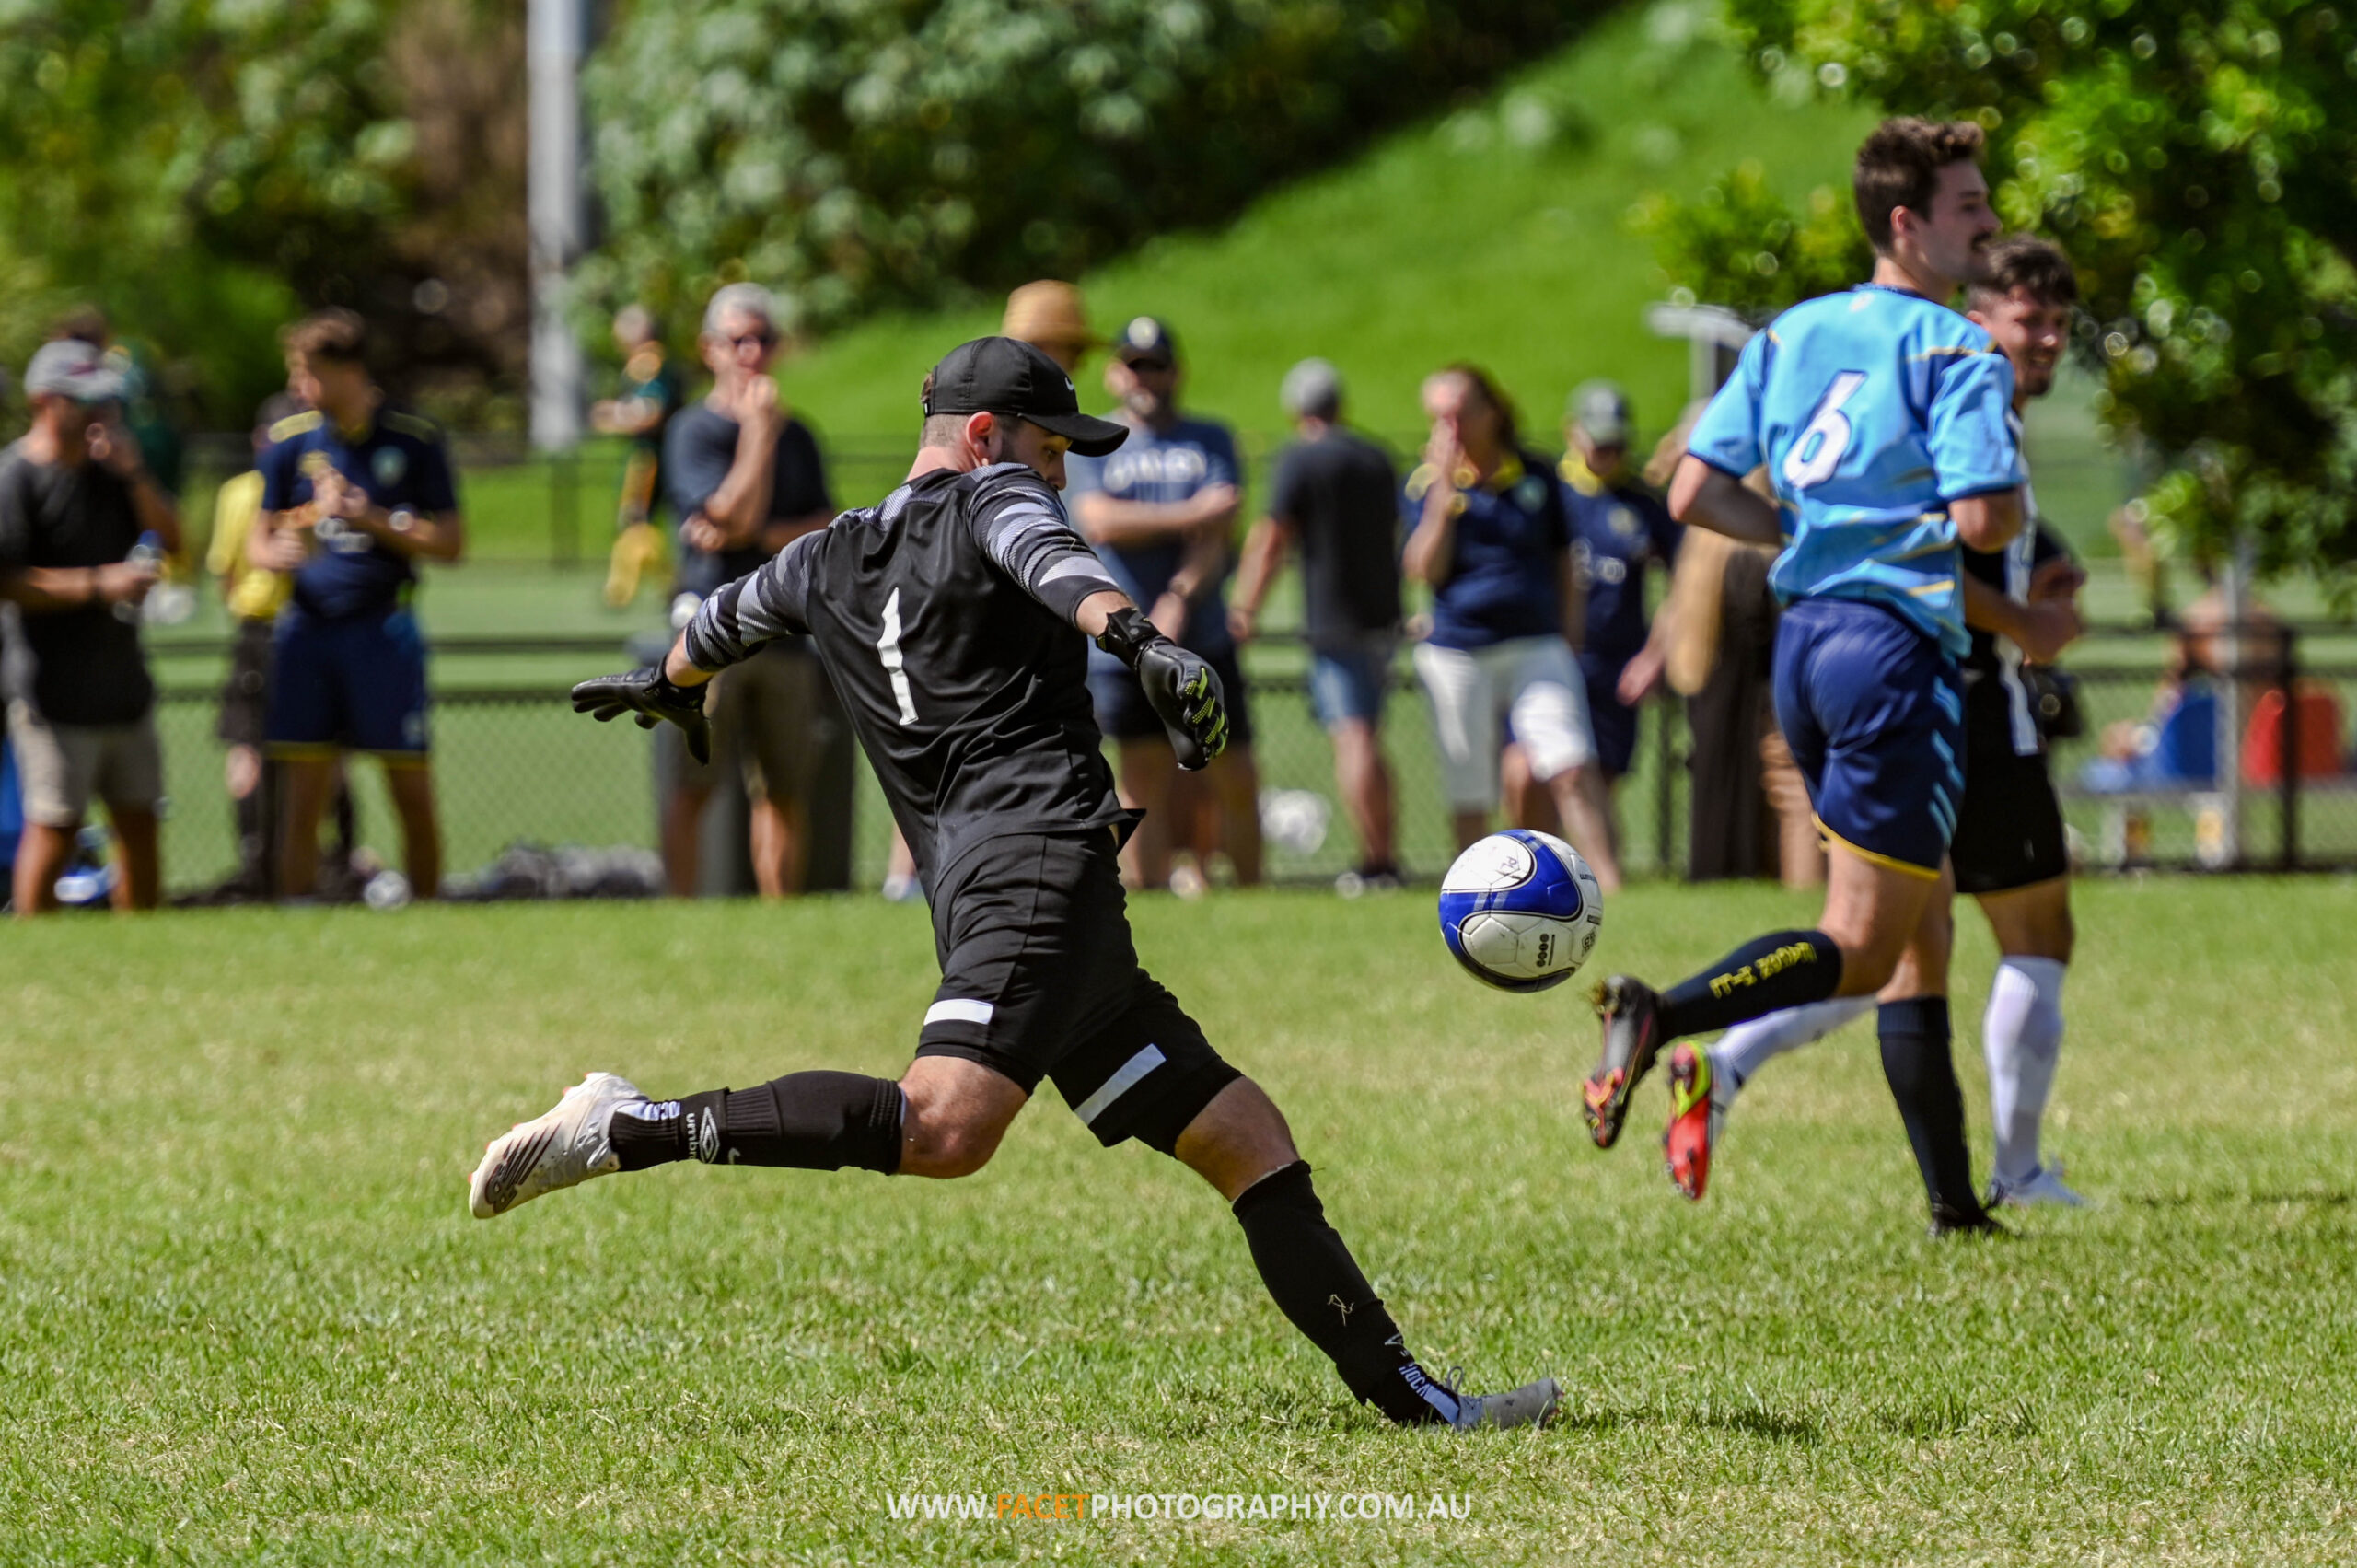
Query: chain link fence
(513, 763)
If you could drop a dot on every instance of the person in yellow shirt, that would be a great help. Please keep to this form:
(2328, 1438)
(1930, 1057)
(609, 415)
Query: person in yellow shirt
(651, 393)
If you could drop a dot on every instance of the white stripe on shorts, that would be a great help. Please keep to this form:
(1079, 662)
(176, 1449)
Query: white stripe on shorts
(959, 1010)
(1120, 1084)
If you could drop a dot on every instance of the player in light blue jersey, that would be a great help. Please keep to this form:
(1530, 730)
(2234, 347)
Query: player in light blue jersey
(1880, 417)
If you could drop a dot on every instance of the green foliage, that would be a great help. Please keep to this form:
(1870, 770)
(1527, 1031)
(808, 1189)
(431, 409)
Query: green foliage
(2196, 159)
(1739, 244)
(182, 162)
(866, 152)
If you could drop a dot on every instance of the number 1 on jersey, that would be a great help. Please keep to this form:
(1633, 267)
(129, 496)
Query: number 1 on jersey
(1817, 452)
(888, 646)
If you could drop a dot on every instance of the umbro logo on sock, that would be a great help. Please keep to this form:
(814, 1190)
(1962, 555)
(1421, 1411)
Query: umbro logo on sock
(704, 1136)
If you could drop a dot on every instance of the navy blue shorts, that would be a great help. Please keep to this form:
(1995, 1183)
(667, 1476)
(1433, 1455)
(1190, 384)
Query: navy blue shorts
(356, 685)
(1874, 711)
(1612, 722)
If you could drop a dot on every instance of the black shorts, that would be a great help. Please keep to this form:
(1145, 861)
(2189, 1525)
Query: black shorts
(1040, 980)
(2009, 828)
(1123, 714)
(245, 696)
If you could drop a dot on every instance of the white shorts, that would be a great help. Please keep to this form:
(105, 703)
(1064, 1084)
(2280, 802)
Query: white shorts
(62, 766)
(1533, 679)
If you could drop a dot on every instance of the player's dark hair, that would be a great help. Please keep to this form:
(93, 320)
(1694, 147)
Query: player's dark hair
(1487, 389)
(1899, 164)
(336, 336)
(2025, 262)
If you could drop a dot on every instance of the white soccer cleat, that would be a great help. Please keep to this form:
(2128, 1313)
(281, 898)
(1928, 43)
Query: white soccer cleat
(2046, 1187)
(563, 1148)
(1533, 1404)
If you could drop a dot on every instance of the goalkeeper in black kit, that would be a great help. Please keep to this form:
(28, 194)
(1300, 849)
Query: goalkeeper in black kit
(947, 618)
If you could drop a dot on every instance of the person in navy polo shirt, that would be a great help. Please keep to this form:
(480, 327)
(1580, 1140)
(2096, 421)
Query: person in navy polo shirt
(1619, 529)
(1489, 531)
(353, 492)
(1160, 511)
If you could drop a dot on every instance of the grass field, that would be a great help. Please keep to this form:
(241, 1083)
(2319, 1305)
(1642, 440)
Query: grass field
(245, 1318)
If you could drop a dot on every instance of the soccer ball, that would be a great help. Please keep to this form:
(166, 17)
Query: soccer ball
(1521, 909)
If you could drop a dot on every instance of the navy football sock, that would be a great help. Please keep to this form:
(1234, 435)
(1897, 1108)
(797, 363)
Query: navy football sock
(805, 1120)
(1317, 1286)
(1768, 974)
(1922, 1073)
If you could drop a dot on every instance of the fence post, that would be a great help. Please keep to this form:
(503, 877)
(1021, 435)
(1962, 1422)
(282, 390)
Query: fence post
(2288, 669)
(2234, 658)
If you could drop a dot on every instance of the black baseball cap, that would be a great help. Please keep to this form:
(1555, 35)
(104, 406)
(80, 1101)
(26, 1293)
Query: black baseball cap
(1146, 337)
(1008, 375)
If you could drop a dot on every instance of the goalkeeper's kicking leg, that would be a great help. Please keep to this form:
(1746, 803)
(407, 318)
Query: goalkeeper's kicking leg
(944, 1118)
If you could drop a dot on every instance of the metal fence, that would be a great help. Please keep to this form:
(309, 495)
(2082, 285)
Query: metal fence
(513, 763)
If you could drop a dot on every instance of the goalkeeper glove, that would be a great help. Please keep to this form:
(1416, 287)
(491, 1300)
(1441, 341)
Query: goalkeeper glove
(1183, 691)
(652, 698)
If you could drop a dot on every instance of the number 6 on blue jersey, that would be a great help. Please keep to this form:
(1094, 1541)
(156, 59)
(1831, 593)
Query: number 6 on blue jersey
(1816, 453)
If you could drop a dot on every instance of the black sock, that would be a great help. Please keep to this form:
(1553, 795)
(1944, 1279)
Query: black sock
(1766, 974)
(1917, 1062)
(807, 1121)
(1317, 1286)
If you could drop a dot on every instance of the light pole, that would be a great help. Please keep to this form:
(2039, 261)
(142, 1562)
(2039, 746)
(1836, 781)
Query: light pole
(557, 34)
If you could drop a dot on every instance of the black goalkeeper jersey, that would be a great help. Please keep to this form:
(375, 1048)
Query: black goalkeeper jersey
(943, 615)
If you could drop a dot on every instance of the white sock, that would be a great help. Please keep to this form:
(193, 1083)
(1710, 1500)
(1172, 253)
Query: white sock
(1746, 1048)
(2021, 1034)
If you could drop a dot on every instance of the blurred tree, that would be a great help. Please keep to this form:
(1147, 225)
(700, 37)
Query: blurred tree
(862, 153)
(204, 169)
(2197, 158)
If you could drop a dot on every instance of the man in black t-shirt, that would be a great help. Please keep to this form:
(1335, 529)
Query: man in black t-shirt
(1336, 496)
(744, 480)
(953, 617)
(76, 502)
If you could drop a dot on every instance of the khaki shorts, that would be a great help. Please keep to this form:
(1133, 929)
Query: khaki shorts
(764, 714)
(62, 766)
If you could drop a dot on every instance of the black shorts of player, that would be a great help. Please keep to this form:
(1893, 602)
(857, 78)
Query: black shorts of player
(1123, 714)
(1040, 980)
(245, 696)
(2009, 827)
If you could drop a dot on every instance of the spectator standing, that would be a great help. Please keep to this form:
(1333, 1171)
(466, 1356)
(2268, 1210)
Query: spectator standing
(76, 504)
(255, 595)
(1490, 534)
(1160, 511)
(745, 480)
(643, 408)
(353, 494)
(1335, 499)
(1618, 530)
(1051, 317)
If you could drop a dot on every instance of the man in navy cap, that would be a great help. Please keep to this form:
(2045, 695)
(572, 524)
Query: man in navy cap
(946, 614)
(1160, 512)
(1618, 530)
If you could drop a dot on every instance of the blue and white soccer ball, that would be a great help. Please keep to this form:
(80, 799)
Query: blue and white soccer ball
(1521, 909)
